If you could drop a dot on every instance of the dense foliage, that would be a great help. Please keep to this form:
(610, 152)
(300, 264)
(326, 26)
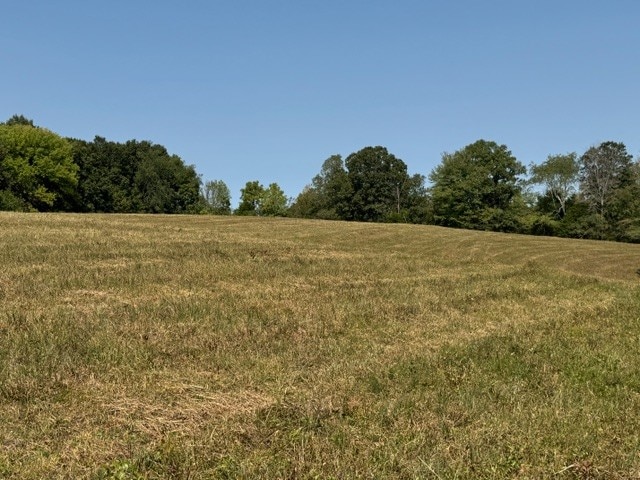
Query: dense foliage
(371, 185)
(477, 187)
(482, 186)
(39, 170)
(134, 177)
(257, 200)
(36, 169)
(217, 197)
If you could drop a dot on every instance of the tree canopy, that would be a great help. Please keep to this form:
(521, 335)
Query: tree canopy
(257, 200)
(480, 186)
(604, 169)
(36, 168)
(134, 177)
(250, 198)
(559, 175)
(217, 197)
(475, 187)
(328, 195)
(273, 202)
(377, 181)
(19, 120)
(371, 185)
(40, 170)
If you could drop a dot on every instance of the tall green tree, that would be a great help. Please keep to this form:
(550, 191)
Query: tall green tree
(333, 189)
(163, 184)
(375, 187)
(559, 176)
(257, 200)
(152, 184)
(603, 170)
(377, 181)
(250, 198)
(476, 188)
(36, 167)
(134, 177)
(106, 176)
(416, 204)
(217, 197)
(625, 207)
(273, 202)
(329, 194)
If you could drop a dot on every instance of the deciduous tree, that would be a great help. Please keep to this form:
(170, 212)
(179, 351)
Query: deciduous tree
(603, 170)
(377, 181)
(328, 195)
(559, 176)
(625, 208)
(475, 187)
(106, 176)
(134, 177)
(273, 202)
(250, 198)
(217, 196)
(36, 167)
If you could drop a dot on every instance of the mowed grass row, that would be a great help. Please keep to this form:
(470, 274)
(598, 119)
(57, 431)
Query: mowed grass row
(221, 347)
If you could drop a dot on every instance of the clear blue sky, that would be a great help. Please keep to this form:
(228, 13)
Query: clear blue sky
(267, 90)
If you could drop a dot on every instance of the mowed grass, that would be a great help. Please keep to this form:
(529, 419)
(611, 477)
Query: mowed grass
(148, 347)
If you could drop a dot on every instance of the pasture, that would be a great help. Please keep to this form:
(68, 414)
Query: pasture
(197, 347)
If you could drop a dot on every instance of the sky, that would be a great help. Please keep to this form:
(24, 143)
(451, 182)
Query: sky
(268, 89)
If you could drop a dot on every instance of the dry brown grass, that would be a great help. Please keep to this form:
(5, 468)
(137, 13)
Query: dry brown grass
(137, 346)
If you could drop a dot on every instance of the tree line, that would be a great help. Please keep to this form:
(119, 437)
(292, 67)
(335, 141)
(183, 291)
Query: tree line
(484, 187)
(481, 186)
(41, 171)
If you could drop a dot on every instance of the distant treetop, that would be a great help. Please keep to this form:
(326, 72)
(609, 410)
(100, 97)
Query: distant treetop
(19, 120)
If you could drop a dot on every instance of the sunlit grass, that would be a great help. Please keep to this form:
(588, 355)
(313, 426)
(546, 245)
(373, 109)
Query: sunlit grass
(221, 347)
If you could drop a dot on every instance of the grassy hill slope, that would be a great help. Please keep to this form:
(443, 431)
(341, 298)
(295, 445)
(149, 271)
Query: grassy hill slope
(221, 347)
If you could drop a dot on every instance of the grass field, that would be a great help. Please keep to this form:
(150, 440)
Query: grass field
(148, 347)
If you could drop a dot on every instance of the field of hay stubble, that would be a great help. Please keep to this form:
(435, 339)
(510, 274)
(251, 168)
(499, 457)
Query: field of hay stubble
(198, 347)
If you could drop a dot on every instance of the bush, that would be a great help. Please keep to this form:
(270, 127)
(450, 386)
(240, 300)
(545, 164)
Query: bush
(629, 231)
(545, 225)
(10, 203)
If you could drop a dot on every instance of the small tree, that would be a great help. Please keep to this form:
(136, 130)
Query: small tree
(305, 204)
(250, 198)
(328, 195)
(273, 202)
(217, 196)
